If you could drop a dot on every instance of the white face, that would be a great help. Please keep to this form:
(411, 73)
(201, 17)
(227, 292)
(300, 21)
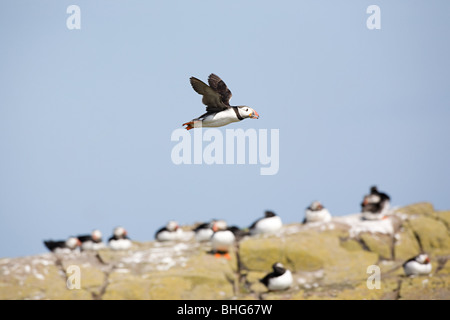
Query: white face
(316, 205)
(247, 112)
(220, 225)
(119, 231)
(72, 243)
(423, 258)
(172, 226)
(96, 235)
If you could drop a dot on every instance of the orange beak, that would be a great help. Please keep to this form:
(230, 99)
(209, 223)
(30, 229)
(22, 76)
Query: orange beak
(254, 115)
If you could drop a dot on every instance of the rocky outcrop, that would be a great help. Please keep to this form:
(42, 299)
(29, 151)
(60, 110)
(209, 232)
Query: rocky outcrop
(334, 260)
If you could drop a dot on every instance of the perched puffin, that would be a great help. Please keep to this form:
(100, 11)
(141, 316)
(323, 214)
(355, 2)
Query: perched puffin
(69, 245)
(216, 97)
(222, 240)
(270, 223)
(316, 212)
(418, 265)
(119, 239)
(92, 242)
(375, 204)
(170, 232)
(279, 279)
(204, 231)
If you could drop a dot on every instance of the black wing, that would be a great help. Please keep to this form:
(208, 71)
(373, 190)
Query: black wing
(84, 238)
(52, 245)
(211, 98)
(218, 85)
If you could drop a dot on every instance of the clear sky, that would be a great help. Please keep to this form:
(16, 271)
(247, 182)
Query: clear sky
(87, 115)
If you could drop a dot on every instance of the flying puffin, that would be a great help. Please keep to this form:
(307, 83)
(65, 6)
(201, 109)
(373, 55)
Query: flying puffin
(316, 212)
(119, 240)
(223, 239)
(279, 279)
(375, 204)
(170, 232)
(216, 97)
(270, 223)
(418, 265)
(69, 245)
(92, 242)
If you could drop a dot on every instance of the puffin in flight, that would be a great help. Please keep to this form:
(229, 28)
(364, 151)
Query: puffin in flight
(216, 97)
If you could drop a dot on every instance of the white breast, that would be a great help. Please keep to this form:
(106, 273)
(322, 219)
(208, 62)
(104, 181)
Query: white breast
(222, 240)
(316, 216)
(204, 235)
(220, 119)
(415, 268)
(267, 225)
(282, 282)
(91, 245)
(121, 244)
(170, 235)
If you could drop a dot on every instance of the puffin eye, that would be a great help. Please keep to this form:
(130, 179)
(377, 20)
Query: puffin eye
(246, 109)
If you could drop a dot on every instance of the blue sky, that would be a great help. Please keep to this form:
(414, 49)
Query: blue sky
(86, 116)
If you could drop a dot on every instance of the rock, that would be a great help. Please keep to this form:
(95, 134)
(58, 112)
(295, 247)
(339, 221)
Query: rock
(331, 260)
(432, 234)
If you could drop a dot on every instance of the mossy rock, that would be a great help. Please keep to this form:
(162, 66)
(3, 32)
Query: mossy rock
(433, 235)
(445, 217)
(380, 244)
(421, 208)
(259, 254)
(425, 288)
(406, 245)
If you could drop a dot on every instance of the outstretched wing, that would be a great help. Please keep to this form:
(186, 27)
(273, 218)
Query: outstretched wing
(219, 86)
(211, 98)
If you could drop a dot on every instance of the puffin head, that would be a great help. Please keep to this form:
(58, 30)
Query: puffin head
(219, 225)
(96, 235)
(120, 232)
(172, 226)
(423, 258)
(316, 206)
(73, 242)
(278, 268)
(247, 112)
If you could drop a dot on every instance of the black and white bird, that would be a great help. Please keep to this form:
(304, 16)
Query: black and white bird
(63, 246)
(418, 265)
(170, 232)
(279, 279)
(204, 231)
(223, 239)
(216, 97)
(316, 212)
(375, 204)
(92, 241)
(269, 224)
(119, 240)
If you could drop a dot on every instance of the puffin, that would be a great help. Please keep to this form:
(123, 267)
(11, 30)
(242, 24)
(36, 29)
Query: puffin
(375, 204)
(119, 240)
(418, 265)
(63, 246)
(268, 224)
(279, 279)
(204, 231)
(216, 97)
(170, 232)
(316, 212)
(92, 241)
(223, 239)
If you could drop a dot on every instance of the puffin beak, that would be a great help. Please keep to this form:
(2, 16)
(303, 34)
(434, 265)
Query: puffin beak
(254, 115)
